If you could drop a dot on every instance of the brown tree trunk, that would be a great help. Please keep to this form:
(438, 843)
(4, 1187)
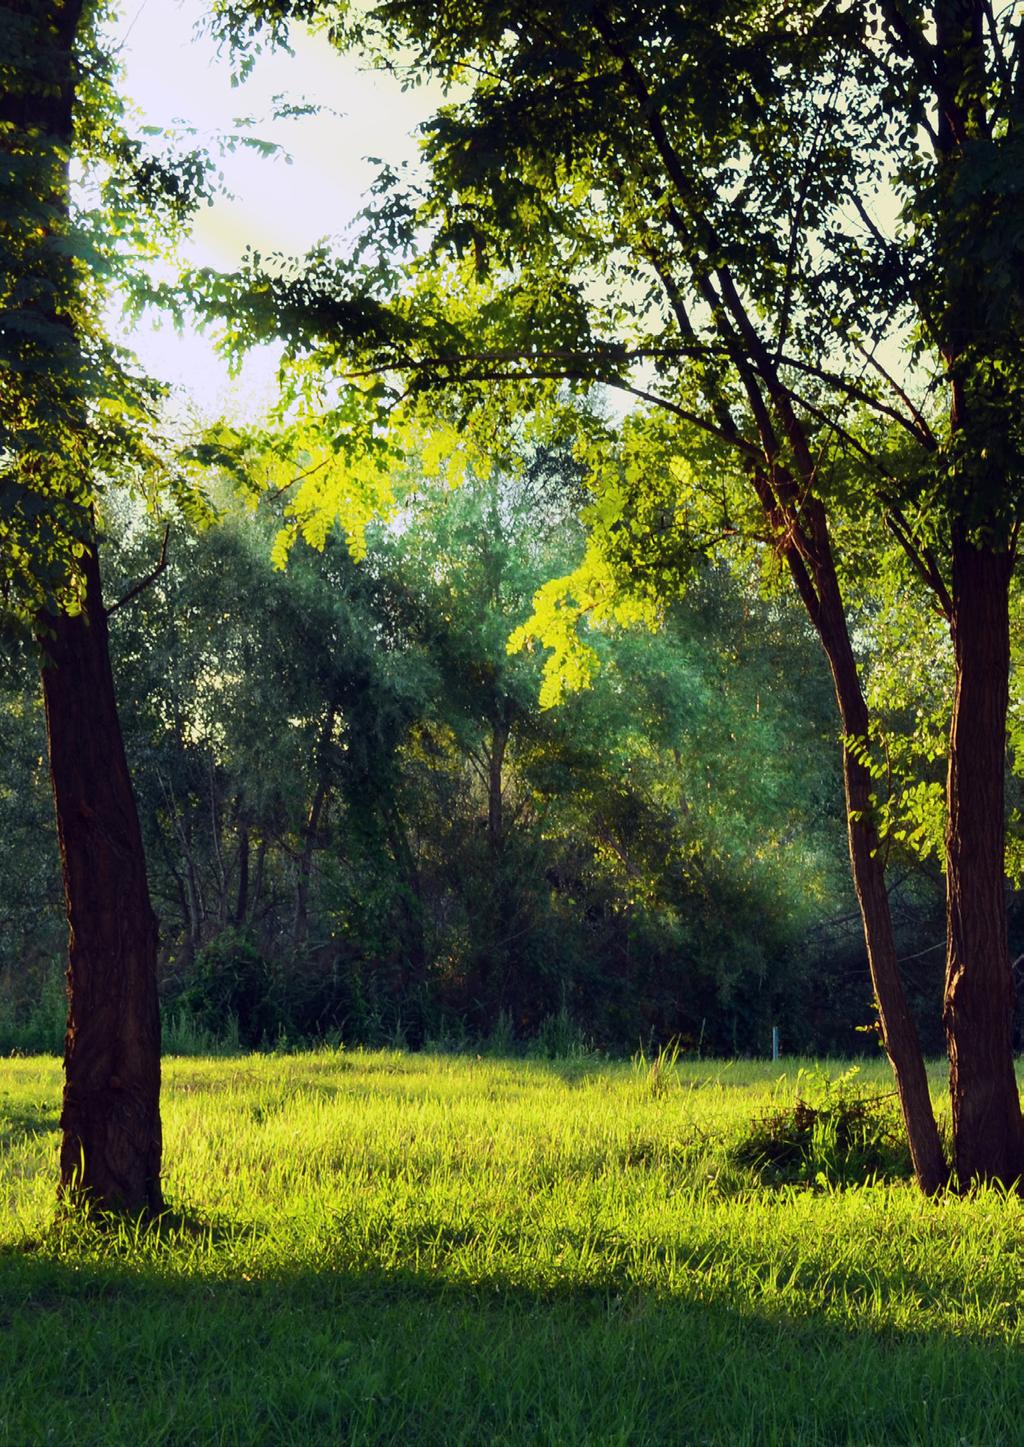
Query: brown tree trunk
(799, 524)
(495, 783)
(501, 948)
(978, 1010)
(824, 604)
(261, 859)
(111, 1125)
(413, 972)
(899, 1032)
(304, 872)
(110, 1151)
(979, 998)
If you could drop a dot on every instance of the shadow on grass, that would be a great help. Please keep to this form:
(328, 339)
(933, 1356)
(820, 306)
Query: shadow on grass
(189, 1350)
(18, 1122)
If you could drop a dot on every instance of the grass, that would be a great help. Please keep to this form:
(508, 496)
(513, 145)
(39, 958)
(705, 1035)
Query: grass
(388, 1248)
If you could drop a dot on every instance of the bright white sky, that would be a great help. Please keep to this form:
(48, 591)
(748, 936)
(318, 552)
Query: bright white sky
(173, 74)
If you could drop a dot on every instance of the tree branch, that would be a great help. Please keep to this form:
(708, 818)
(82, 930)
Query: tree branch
(734, 440)
(147, 581)
(795, 224)
(921, 559)
(915, 425)
(915, 46)
(733, 437)
(789, 539)
(927, 435)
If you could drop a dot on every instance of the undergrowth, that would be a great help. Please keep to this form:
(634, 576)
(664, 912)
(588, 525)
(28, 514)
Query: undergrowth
(835, 1133)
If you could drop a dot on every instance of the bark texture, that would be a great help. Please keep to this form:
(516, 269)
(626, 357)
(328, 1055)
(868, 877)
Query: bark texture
(111, 1146)
(495, 787)
(807, 546)
(899, 1032)
(978, 1007)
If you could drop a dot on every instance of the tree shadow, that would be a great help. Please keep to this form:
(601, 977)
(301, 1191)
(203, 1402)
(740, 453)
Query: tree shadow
(177, 1347)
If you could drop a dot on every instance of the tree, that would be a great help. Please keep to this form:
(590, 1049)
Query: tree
(71, 413)
(266, 708)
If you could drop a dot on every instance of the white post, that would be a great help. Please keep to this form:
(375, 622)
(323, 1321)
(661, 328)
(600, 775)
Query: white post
(775, 1042)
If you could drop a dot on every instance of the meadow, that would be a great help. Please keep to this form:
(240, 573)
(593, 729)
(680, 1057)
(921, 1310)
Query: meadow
(378, 1247)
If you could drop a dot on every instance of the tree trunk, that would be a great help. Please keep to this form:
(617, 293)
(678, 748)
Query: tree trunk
(979, 998)
(495, 782)
(414, 965)
(223, 913)
(501, 947)
(110, 1152)
(261, 859)
(799, 522)
(978, 1008)
(242, 897)
(311, 830)
(304, 871)
(111, 1124)
(899, 1032)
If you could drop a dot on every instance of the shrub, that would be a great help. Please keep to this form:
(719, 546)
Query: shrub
(232, 986)
(559, 1038)
(833, 1134)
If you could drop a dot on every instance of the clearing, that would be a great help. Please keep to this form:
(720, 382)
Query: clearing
(377, 1247)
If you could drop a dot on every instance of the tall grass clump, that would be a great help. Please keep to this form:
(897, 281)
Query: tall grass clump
(835, 1133)
(183, 1033)
(657, 1075)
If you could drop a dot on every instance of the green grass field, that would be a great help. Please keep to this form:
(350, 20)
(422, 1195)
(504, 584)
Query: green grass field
(387, 1248)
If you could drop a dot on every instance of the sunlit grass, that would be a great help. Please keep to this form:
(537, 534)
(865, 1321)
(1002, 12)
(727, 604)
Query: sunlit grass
(378, 1247)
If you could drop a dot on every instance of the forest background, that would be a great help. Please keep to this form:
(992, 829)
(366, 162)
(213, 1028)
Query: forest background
(362, 825)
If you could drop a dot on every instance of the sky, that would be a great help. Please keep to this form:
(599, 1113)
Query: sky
(173, 75)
